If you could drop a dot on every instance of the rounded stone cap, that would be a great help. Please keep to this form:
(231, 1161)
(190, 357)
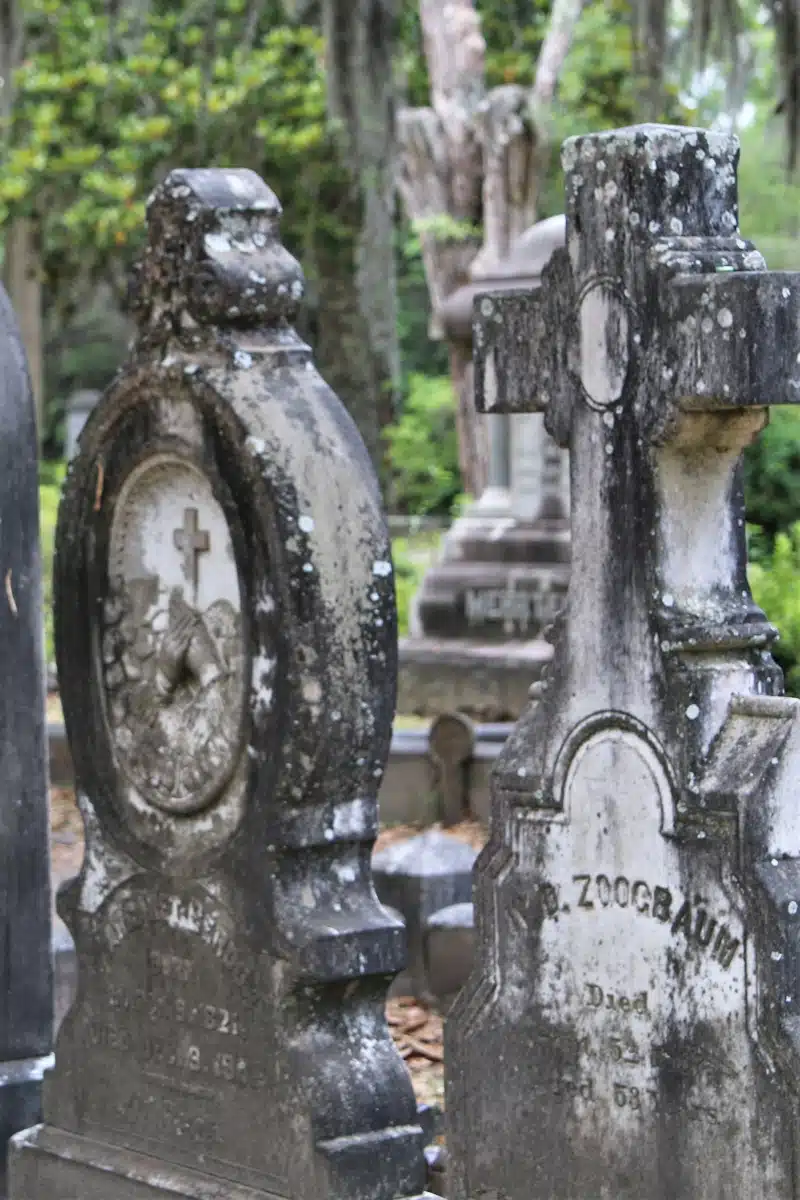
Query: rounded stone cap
(521, 270)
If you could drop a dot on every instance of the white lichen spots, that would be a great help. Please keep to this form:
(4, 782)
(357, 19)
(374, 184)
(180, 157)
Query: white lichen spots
(610, 235)
(676, 225)
(609, 448)
(254, 277)
(654, 227)
(667, 600)
(256, 446)
(259, 240)
(569, 155)
(729, 220)
(699, 155)
(637, 339)
(382, 568)
(726, 391)
(672, 179)
(667, 374)
(601, 166)
(243, 359)
(785, 292)
(308, 568)
(487, 308)
(706, 325)
(329, 835)
(588, 151)
(297, 289)
(610, 190)
(701, 386)
(692, 712)
(776, 956)
(312, 691)
(379, 622)
(725, 318)
(261, 675)
(791, 908)
(336, 715)
(608, 419)
(217, 243)
(191, 369)
(306, 524)
(522, 772)
(377, 773)
(374, 597)
(754, 261)
(742, 333)
(345, 872)
(634, 219)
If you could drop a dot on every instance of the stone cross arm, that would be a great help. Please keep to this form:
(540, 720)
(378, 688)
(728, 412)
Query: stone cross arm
(672, 312)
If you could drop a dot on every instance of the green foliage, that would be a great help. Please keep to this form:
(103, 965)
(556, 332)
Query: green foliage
(419, 354)
(772, 474)
(423, 449)
(412, 556)
(51, 477)
(774, 582)
(106, 105)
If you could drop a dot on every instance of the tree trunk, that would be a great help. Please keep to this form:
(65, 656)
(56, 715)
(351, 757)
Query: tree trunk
(359, 36)
(440, 181)
(21, 270)
(22, 261)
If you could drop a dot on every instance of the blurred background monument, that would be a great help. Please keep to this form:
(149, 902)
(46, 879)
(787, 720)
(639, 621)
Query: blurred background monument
(475, 641)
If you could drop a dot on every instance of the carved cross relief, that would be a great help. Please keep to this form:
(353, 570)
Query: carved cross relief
(192, 542)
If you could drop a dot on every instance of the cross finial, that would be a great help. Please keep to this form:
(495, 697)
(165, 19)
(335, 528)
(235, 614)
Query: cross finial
(191, 542)
(654, 346)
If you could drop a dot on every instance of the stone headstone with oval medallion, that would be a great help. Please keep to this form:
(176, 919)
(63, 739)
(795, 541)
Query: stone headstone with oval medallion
(226, 626)
(632, 1025)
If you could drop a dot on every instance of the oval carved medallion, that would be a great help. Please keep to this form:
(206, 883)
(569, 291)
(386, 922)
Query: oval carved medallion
(172, 646)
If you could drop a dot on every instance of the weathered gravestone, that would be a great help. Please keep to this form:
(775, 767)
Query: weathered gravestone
(632, 1028)
(226, 626)
(476, 640)
(26, 1003)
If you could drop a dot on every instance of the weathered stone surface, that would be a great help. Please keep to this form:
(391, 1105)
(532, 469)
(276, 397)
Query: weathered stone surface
(26, 1003)
(487, 682)
(637, 904)
(449, 949)
(452, 745)
(225, 627)
(418, 877)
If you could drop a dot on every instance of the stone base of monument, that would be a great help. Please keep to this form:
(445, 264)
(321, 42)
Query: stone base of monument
(52, 1164)
(488, 682)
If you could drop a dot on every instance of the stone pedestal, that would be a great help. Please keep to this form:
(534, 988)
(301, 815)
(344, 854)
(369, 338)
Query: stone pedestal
(476, 629)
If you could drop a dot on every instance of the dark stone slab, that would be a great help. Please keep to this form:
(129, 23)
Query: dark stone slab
(418, 877)
(26, 1004)
(631, 1027)
(226, 642)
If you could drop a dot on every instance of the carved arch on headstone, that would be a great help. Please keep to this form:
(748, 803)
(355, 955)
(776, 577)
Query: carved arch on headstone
(637, 738)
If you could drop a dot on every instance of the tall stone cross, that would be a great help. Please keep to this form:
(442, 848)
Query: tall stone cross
(637, 905)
